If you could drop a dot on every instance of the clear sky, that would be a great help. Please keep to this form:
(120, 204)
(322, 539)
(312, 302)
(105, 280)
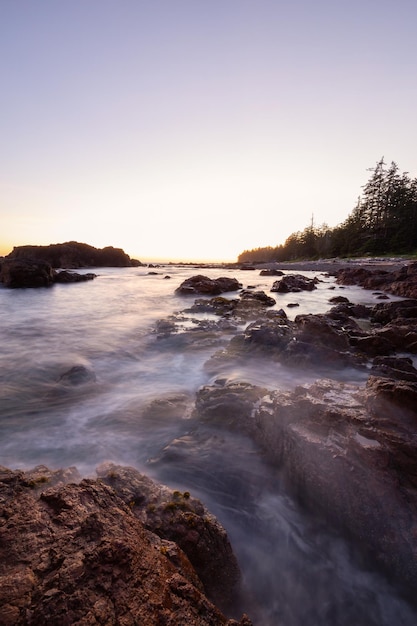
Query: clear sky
(196, 129)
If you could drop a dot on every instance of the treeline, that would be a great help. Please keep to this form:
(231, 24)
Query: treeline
(384, 221)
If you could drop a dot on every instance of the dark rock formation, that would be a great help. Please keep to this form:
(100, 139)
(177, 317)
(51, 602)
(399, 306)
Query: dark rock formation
(74, 255)
(80, 554)
(293, 283)
(271, 273)
(203, 285)
(257, 296)
(72, 277)
(25, 272)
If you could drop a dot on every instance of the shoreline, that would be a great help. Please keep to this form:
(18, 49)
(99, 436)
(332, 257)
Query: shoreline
(333, 265)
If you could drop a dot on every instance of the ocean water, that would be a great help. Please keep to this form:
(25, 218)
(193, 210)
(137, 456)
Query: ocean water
(85, 377)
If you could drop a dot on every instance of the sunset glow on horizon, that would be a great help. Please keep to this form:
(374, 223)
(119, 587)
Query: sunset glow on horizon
(193, 131)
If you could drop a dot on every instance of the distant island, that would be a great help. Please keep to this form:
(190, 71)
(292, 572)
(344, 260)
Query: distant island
(384, 221)
(72, 255)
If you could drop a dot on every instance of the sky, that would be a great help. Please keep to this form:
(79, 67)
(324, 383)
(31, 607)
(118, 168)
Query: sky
(196, 129)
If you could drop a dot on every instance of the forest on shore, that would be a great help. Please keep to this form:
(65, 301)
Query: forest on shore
(384, 221)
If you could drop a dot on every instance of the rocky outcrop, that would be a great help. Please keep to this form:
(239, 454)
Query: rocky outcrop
(74, 255)
(203, 285)
(177, 516)
(80, 552)
(25, 272)
(346, 453)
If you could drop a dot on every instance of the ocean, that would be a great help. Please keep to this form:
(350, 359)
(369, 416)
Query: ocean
(87, 374)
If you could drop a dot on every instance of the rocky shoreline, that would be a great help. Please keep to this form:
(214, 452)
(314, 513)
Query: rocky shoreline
(147, 554)
(346, 451)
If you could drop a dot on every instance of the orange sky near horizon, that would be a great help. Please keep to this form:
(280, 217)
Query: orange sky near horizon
(193, 131)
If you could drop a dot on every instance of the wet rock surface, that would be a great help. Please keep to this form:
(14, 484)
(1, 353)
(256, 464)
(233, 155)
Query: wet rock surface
(346, 451)
(80, 552)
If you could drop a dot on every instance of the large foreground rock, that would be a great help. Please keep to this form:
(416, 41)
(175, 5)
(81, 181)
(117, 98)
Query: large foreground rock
(77, 554)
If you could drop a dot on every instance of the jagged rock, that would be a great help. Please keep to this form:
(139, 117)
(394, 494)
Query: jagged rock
(77, 554)
(183, 519)
(294, 283)
(203, 285)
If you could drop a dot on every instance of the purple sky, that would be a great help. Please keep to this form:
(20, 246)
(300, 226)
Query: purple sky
(183, 129)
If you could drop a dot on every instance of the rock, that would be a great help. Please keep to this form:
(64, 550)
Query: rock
(257, 296)
(78, 554)
(73, 254)
(77, 375)
(178, 517)
(271, 273)
(203, 285)
(26, 273)
(229, 405)
(401, 334)
(388, 311)
(372, 345)
(339, 300)
(402, 282)
(271, 334)
(398, 368)
(399, 392)
(345, 453)
(72, 277)
(294, 283)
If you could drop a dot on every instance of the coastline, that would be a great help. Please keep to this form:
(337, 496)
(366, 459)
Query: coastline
(333, 265)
